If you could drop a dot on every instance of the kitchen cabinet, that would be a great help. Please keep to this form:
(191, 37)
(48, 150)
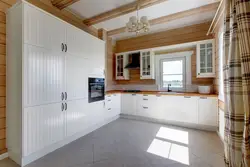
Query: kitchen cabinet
(113, 105)
(76, 115)
(128, 104)
(48, 65)
(147, 64)
(145, 105)
(205, 59)
(208, 111)
(121, 72)
(44, 126)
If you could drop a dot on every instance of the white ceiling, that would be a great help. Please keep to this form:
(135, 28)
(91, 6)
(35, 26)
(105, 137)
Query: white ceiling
(89, 8)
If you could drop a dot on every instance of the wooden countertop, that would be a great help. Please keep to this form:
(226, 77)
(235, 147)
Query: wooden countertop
(163, 93)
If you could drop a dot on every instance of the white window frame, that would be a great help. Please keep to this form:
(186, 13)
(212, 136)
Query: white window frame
(221, 77)
(188, 67)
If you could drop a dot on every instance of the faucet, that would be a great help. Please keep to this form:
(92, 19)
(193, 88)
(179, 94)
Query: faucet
(169, 87)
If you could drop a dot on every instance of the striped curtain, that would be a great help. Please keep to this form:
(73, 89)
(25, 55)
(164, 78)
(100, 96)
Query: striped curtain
(237, 82)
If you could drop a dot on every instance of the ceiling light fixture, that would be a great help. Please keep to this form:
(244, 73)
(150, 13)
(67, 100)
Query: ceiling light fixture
(137, 24)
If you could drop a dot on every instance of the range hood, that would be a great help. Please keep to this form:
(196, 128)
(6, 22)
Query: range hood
(135, 63)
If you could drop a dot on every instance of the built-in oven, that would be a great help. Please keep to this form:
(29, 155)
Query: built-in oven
(96, 89)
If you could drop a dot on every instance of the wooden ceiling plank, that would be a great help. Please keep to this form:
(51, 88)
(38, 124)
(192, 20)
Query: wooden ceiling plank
(125, 9)
(171, 17)
(61, 4)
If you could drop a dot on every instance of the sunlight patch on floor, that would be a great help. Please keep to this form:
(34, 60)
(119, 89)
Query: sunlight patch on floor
(169, 150)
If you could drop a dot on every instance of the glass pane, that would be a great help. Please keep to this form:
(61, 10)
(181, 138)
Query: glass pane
(174, 80)
(203, 70)
(209, 57)
(202, 58)
(202, 46)
(172, 67)
(148, 63)
(209, 69)
(209, 45)
(143, 63)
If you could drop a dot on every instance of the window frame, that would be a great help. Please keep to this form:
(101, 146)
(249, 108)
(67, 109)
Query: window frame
(183, 73)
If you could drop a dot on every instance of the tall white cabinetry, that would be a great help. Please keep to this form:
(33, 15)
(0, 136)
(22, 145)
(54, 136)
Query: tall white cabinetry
(48, 65)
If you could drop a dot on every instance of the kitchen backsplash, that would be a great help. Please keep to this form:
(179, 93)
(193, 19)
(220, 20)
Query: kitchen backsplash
(189, 88)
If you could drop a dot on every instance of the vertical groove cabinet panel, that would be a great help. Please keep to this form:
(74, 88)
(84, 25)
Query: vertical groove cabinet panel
(76, 77)
(36, 29)
(44, 125)
(43, 76)
(76, 114)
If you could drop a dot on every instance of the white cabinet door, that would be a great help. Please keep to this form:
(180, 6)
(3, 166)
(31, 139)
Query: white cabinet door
(57, 34)
(129, 104)
(180, 109)
(205, 59)
(76, 77)
(121, 72)
(42, 126)
(208, 111)
(189, 109)
(76, 116)
(36, 29)
(43, 76)
(147, 65)
(74, 41)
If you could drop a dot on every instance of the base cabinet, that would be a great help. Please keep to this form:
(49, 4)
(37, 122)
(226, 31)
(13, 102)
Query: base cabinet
(128, 104)
(208, 111)
(182, 109)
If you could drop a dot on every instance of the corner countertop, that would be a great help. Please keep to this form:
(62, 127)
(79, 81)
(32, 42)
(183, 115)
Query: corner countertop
(159, 93)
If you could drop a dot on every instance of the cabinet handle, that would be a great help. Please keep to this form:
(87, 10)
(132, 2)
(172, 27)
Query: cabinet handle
(62, 96)
(133, 94)
(145, 99)
(145, 107)
(66, 48)
(66, 106)
(109, 100)
(109, 109)
(145, 95)
(62, 107)
(62, 47)
(187, 97)
(66, 96)
(203, 97)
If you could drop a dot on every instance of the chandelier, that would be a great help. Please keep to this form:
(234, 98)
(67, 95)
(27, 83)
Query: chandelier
(137, 24)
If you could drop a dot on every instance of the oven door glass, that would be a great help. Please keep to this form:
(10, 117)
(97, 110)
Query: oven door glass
(96, 89)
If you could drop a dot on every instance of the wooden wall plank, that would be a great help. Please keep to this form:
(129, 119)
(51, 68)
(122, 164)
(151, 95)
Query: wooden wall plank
(2, 134)
(4, 6)
(2, 70)
(9, 2)
(2, 17)
(2, 28)
(2, 112)
(2, 144)
(2, 49)
(2, 38)
(2, 123)
(2, 101)
(2, 59)
(171, 37)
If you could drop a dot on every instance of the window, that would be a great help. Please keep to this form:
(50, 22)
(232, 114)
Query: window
(173, 72)
(221, 84)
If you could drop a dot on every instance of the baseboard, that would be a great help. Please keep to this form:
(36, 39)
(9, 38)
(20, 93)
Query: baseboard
(181, 124)
(3, 156)
(47, 150)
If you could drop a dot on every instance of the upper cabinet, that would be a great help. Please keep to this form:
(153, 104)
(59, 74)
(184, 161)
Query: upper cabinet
(205, 59)
(147, 65)
(121, 62)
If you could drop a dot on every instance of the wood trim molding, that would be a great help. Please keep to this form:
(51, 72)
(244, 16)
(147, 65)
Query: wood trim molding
(171, 17)
(125, 9)
(61, 4)
(218, 15)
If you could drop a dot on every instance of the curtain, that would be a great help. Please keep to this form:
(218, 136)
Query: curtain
(236, 71)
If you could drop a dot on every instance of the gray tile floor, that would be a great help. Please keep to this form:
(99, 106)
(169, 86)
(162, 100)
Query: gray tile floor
(129, 143)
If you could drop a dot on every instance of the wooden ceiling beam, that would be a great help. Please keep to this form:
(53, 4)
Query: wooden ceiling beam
(61, 4)
(125, 9)
(171, 17)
